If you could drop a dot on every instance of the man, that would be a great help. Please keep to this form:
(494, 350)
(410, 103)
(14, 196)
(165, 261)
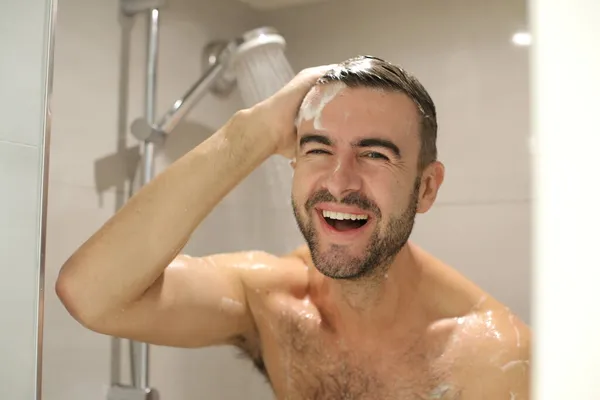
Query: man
(358, 313)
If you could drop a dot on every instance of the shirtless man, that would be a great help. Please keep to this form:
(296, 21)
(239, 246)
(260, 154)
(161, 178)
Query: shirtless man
(358, 313)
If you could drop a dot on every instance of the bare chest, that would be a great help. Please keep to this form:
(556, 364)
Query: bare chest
(306, 361)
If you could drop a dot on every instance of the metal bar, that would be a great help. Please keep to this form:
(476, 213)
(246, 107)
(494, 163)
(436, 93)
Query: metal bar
(115, 361)
(134, 350)
(152, 62)
(146, 131)
(183, 105)
(140, 359)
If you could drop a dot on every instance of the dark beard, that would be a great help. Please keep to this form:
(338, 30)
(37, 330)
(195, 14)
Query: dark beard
(384, 245)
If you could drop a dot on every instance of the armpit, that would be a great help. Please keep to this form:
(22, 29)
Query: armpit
(253, 352)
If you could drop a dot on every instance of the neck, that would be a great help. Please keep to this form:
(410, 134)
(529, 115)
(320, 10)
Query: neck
(363, 295)
(377, 301)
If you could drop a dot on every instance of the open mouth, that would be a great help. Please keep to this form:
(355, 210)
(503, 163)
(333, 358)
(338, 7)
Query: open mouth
(344, 222)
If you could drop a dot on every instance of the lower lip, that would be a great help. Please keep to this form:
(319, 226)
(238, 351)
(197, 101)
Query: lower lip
(349, 234)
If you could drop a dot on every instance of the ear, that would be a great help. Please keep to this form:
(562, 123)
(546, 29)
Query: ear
(431, 181)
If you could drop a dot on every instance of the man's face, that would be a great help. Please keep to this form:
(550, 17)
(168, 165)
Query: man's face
(356, 188)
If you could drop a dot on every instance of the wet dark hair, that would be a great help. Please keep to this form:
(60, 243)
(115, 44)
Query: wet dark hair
(373, 72)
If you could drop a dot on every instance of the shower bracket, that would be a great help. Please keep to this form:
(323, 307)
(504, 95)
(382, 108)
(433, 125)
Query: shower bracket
(132, 7)
(213, 54)
(143, 131)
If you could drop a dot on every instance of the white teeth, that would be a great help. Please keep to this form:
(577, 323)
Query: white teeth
(342, 216)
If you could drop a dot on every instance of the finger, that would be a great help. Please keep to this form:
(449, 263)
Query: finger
(315, 73)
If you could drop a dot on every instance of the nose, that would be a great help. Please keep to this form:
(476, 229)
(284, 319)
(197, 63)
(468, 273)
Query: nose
(344, 178)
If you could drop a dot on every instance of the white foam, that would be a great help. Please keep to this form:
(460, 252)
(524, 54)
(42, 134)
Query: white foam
(231, 305)
(177, 263)
(513, 364)
(313, 105)
(439, 392)
(517, 333)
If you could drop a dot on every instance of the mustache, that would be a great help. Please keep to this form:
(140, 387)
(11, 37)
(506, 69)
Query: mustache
(353, 199)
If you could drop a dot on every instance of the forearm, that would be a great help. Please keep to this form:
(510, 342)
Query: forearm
(123, 259)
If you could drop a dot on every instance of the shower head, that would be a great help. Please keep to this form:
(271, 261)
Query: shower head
(254, 62)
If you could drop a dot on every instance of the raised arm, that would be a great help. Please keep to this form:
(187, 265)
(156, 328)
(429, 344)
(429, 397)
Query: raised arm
(196, 302)
(116, 282)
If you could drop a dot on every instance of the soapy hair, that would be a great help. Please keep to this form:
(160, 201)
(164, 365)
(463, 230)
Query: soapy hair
(373, 72)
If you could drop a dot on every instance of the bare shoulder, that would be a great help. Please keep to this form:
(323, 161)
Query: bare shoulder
(256, 267)
(491, 355)
(265, 276)
(264, 272)
(266, 279)
(241, 278)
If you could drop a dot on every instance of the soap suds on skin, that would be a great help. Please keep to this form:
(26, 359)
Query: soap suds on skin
(314, 103)
(517, 333)
(338, 166)
(439, 392)
(482, 300)
(513, 364)
(177, 262)
(230, 305)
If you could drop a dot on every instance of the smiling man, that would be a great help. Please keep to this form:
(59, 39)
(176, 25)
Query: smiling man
(359, 312)
(351, 176)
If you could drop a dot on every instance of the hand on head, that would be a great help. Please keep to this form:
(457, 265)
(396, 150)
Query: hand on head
(278, 112)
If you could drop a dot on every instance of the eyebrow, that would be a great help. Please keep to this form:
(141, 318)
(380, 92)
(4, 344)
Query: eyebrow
(376, 142)
(311, 138)
(367, 142)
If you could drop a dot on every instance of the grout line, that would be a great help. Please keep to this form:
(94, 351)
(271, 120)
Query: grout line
(18, 144)
(82, 186)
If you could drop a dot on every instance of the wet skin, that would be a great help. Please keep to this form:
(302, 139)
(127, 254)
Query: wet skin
(361, 312)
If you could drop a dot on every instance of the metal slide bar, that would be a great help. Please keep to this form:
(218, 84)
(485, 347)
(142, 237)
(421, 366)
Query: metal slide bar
(140, 375)
(139, 352)
(151, 133)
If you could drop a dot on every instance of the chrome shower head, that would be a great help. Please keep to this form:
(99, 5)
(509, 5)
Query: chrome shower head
(255, 62)
(260, 37)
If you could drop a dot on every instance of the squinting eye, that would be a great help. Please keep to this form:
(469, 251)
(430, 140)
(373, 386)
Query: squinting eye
(317, 151)
(376, 155)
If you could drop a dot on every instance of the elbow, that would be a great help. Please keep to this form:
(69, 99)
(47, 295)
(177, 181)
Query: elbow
(66, 291)
(69, 294)
(62, 288)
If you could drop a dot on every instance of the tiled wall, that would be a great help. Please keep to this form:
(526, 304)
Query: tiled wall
(24, 72)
